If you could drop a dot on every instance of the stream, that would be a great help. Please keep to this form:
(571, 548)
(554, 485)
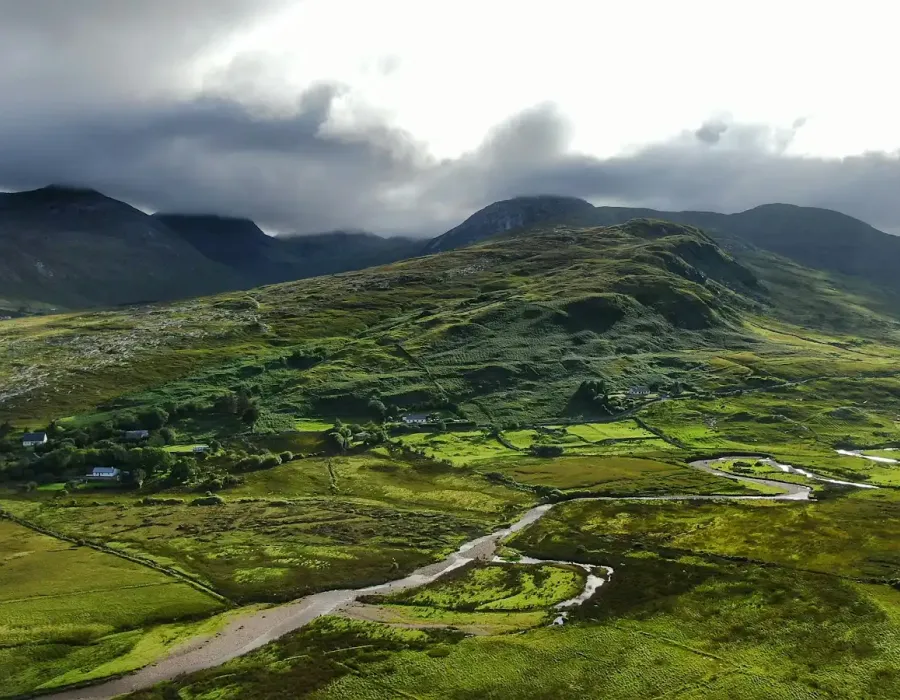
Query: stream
(255, 629)
(873, 458)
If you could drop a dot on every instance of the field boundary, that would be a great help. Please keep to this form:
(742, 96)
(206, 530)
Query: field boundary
(134, 559)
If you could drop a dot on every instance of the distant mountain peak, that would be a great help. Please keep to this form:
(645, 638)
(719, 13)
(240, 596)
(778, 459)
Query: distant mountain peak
(510, 214)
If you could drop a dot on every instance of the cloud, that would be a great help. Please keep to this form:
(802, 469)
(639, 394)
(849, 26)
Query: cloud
(106, 100)
(711, 131)
(74, 53)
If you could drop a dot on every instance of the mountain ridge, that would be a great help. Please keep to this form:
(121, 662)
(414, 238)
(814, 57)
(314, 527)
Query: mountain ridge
(75, 247)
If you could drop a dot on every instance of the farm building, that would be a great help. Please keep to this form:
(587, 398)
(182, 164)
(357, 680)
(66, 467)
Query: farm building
(105, 473)
(415, 418)
(34, 439)
(137, 434)
(201, 448)
(638, 391)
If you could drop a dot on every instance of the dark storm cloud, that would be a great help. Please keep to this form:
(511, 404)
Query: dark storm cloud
(63, 51)
(98, 98)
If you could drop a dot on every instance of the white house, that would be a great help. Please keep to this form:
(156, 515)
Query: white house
(137, 434)
(201, 448)
(638, 391)
(108, 473)
(415, 418)
(34, 439)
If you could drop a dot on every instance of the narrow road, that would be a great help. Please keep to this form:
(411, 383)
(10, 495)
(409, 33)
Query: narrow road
(244, 634)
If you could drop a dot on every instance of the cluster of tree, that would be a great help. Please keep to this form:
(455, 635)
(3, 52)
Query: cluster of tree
(149, 419)
(70, 462)
(267, 460)
(343, 436)
(241, 404)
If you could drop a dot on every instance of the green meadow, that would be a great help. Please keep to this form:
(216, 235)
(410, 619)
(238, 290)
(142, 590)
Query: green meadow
(66, 608)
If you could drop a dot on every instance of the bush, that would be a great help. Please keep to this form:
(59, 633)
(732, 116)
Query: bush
(546, 450)
(270, 461)
(210, 499)
(150, 501)
(248, 464)
(286, 456)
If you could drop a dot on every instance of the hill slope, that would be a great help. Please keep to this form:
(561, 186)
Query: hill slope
(818, 238)
(530, 316)
(79, 248)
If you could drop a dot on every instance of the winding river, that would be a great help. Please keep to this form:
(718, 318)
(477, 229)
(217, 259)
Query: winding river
(257, 628)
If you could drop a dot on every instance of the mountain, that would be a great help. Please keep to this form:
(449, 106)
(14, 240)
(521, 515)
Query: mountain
(813, 237)
(262, 259)
(509, 215)
(76, 247)
(66, 247)
(69, 247)
(230, 241)
(511, 319)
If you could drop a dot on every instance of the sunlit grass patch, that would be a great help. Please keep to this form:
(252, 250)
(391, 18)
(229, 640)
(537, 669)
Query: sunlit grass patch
(605, 475)
(460, 448)
(497, 587)
(61, 603)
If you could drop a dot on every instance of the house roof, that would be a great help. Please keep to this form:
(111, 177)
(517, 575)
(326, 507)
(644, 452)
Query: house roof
(105, 470)
(33, 437)
(137, 433)
(416, 416)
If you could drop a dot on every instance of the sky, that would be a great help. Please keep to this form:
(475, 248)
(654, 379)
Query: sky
(405, 116)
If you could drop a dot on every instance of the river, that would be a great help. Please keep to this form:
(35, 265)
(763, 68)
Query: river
(257, 628)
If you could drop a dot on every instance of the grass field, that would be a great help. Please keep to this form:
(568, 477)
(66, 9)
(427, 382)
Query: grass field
(781, 635)
(852, 535)
(497, 587)
(464, 449)
(65, 608)
(302, 526)
(617, 476)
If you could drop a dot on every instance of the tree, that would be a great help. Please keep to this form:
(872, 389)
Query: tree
(377, 409)
(244, 401)
(154, 418)
(182, 471)
(168, 435)
(340, 436)
(227, 404)
(215, 445)
(287, 456)
(127, 421)
(251, 414)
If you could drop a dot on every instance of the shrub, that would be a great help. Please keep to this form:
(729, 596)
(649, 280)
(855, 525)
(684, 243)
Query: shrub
(286, 456)
(209, 499)
(151, 501)
(546, 450)
(270, 461)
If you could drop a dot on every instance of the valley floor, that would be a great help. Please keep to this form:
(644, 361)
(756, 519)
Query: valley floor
(704, 538)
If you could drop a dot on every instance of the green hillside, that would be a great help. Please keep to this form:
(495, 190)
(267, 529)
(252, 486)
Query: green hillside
(557, 364)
